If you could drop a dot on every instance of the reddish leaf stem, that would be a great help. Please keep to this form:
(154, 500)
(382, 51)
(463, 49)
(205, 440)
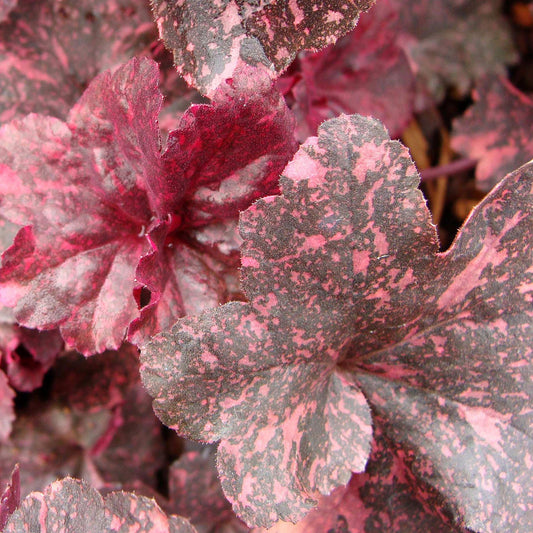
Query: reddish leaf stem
(430, 174)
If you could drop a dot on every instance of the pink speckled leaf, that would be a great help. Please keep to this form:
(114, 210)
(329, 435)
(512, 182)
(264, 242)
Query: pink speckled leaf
(10, 499)
(365, 72)
(262, 376)
(452, 43)
(496, 130)
(51, 49)
(72, 506)
(348, 294)
(108, 214)
(209, 39)
(7, 413)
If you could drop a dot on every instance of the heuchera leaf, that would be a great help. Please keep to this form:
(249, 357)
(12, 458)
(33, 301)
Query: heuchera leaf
(496, 130)
(72, 506)
(352, 308)
(452, 43)
(96, 423)
(195, 492)
(108, 214)
(209, 39)
(365, 72)
(386, 497)
(51, 49)
(10, 499)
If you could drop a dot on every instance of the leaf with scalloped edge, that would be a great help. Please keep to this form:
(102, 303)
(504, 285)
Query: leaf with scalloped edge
(496, 130)
(72, 506)
(209, 39)
(352, 309)
(51, 49)
(365, 72)
(109, 214)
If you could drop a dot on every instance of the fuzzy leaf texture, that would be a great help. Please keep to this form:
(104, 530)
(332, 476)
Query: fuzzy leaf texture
(496, 130)
(352, 310)
(72, 506)
(209, 39)
(106, 213)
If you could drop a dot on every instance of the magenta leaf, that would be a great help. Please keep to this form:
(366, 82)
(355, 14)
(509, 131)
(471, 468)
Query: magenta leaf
(72, 506)
(10, 499)
(7, 413)
(352, 307)
(365, 72)
(107, 214)
(51, 49)
(210, 39)
(496, 130)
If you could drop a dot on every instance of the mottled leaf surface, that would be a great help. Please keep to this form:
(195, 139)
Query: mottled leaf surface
(365, 72)
(452, 43)
(209, 39)
(108, 214)
(10, 499)
(72, 506)
(351, 306)
(386, 497)
(496, 130)
(51, 49)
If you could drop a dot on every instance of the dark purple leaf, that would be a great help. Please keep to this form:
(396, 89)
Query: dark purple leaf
(72, 506)
(195, 492)
(365, 72)
(107, 214)
(209, 39)
(10, 499)
(496, 130)
(452, 43)
(31, 357)
(7, 414)
(95, 423)
(51, 49)
(351, 303)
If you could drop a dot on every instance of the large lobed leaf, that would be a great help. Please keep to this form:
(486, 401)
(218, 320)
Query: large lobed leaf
(496, 130)
(106, 214)
(72, 506)
(353, 311)
(209, 39)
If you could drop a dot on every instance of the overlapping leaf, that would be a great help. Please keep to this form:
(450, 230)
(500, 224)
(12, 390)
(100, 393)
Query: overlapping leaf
(107, 214)
(351, 306)
(7, 413)
(97, 424)
(496, 130)
(51, 49)
(452, 43)
(72, 506)
(10, 499)
(209, 39)
(5, 7)
(365, 72)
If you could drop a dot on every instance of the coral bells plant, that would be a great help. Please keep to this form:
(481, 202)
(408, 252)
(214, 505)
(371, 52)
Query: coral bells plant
(250, 319)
